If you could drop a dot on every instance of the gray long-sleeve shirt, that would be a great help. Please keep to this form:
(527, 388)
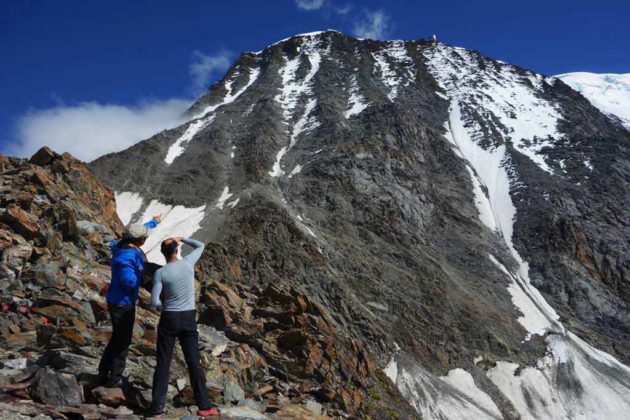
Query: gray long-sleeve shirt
(177, 281)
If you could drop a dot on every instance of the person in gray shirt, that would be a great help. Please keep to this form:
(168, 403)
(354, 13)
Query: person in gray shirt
(174, 291)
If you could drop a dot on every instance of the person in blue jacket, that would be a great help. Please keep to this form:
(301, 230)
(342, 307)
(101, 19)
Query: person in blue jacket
(128, 265)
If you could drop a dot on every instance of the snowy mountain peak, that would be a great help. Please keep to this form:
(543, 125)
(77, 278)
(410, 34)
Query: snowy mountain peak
(472, 211)
(610, 93)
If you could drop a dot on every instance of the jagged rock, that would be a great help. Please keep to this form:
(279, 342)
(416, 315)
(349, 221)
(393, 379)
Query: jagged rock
(57, 389)
(71, 337)
(232, 391)
(19, 341)
(66, 218)
(7, 277)
(76, 364)
(64, 307)
(22, 221)
(18, 363)
(212, 340)
(86, 228)
(48, 274)
(112, 397)
(43, 156)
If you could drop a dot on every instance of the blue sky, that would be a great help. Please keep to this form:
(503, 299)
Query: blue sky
(114, 72)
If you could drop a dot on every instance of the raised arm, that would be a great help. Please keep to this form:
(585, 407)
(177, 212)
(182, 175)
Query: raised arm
(152, 224)
(194, 256)
(157, 289)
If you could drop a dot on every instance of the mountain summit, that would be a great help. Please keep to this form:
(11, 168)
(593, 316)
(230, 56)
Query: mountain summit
(462, 219)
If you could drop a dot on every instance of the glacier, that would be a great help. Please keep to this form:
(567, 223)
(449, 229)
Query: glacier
(610, 93)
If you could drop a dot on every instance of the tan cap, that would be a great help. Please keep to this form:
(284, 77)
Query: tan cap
(136, 231)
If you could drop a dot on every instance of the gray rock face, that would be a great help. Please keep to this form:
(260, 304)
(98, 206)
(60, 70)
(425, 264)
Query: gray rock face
(55, 388)
(355, 171)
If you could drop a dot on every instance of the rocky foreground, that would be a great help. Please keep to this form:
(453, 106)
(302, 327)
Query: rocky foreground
(268, 351)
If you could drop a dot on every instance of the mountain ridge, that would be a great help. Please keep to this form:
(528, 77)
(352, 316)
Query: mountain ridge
(443, 192)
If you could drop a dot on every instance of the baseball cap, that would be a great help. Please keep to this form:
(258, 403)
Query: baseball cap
(136, 231)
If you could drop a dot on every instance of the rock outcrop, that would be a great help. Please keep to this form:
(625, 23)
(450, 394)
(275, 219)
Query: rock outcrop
(267, 352)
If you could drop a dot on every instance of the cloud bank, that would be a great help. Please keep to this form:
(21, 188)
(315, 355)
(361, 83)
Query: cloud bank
(205, 67)
(89, 130)
(373, 25)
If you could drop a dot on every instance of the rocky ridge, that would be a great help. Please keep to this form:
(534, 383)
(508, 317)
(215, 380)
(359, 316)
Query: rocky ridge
(267, 353)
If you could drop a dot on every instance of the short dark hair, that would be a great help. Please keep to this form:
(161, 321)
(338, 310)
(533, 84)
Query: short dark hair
(168, 247)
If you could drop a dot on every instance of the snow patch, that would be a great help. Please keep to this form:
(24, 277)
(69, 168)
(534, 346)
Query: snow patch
(573, 381)
(176, 221)
(463, 382)
(225, 196)
(356, 102)
(391, 370)
(306, 122)
(454, 396)
(231, 96)
(127, 204)
(194, 127)
(276, 170)
(395, 52)
(292, 91)
(295, 171)
(510, 101)
(533, 320)
(179, 146)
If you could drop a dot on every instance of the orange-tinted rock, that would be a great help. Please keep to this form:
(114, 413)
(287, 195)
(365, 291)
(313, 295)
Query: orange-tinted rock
(112, 397)
(22, 221)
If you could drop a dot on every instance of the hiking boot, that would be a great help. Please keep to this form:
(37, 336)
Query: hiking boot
(208, 412)
(155, 413)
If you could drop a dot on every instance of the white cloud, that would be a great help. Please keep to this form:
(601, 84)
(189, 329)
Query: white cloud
(309, 4)
(205, 67)
(373, 25)
(89, 130)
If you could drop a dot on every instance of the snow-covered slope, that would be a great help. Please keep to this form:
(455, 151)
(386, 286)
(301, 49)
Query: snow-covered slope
(573, 380)
(608, 92)
(176, 220)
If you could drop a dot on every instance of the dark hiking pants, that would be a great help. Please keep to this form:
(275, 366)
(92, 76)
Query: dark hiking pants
(113, 361)
(183, 326)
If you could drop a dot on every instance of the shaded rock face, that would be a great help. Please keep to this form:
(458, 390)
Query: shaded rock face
(379, 225)
(409, 188)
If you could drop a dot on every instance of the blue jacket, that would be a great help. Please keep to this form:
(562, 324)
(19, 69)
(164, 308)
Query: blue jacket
(127, 269)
